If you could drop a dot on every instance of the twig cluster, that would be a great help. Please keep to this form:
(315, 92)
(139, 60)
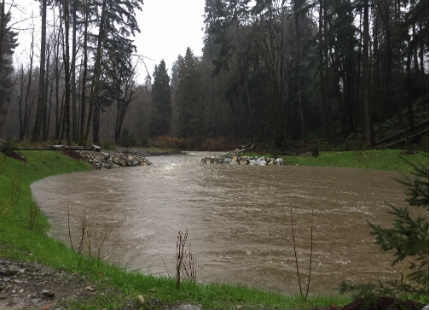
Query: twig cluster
(186, 262)
(91, 241)
(303, 293)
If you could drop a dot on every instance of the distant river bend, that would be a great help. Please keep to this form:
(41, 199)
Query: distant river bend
(238, 218)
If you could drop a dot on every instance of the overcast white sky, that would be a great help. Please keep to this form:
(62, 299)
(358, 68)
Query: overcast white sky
(167, 28)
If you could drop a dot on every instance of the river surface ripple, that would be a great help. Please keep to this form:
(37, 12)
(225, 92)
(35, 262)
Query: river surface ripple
(238, 218)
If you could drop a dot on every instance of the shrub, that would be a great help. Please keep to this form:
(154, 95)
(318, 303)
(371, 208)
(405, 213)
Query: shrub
(218, 144)
(166, 142)
(7, 147)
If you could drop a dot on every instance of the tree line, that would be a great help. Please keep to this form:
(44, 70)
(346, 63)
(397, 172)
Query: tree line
(271, 70)
(277, 70)
(85, 67)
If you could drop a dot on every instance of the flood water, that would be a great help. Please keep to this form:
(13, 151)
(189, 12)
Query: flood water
(238, 218)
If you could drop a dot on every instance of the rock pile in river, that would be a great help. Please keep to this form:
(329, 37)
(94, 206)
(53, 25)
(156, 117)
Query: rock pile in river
(109, 160)
(235, 159)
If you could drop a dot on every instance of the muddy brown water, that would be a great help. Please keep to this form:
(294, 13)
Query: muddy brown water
(238, 218)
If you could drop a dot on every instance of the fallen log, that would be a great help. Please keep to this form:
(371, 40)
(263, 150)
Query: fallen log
(60, 147)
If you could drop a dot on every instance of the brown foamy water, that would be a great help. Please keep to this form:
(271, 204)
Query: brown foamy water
(238, 218)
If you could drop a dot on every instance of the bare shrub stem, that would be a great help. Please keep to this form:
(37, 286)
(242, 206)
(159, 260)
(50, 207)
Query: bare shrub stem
(310, 264)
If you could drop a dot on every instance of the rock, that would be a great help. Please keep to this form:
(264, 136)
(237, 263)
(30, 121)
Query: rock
(243, 161)
(48, 294)
(90, 289)
(116, 160)
(186, 307)
(108, 165)
(3, 296)
(279, 161)
(140, 299)
(228, 161)
(106, 155)
(382, 303)
(261, 161)
(9, 272)
(426, 307)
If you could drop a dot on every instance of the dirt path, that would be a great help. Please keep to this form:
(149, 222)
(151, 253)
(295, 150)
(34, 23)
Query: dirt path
(33, 286)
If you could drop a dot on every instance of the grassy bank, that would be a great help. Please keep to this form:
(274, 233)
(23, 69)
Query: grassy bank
(390, 160)
(23, 237)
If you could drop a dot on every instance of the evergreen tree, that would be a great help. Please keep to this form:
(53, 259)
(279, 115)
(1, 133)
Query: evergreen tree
(189, 97)
(116, 26)
(7, 46)
(161, 102)
(409, 236)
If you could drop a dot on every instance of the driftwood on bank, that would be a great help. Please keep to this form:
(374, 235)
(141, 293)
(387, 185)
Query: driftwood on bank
(60, 147)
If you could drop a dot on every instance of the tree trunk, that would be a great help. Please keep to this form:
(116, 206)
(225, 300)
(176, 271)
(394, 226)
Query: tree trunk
(66, 61)
(75, 129)
(84, 77)
(96, 79)
(366, 75)
(41, 102)
(323, 66)
(48, 96)
(27, 104)
(299, 89)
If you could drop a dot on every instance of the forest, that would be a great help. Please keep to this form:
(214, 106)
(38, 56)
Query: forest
(271, 71)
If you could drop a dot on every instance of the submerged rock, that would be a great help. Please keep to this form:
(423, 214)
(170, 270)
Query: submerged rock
(110, 160)
(229, 159)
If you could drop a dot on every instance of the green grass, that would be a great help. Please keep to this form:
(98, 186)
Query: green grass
(391, 160)
(18, 241)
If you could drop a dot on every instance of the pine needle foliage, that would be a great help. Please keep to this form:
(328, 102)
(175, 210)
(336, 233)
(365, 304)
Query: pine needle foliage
(408, 237)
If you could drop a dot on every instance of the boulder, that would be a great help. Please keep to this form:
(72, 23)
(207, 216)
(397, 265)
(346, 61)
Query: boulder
(228, 160)
(261, 161)
(96, 148)
(186, 307)
(279, 161)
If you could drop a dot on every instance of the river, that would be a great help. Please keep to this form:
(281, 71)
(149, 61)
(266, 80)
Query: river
(238, 218)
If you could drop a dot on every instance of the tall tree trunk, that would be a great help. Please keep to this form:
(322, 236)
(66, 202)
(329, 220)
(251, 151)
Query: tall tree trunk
(94, 104)
(48, 95)
(57, 88)
(41, 102)
(323, 65)
(20, 101)
(75, 129)
(366, 74)
(409, 92)
(96, 124)
(2, 28)
(27, 104)
(84, 77)
(66, 62)
(299, 89)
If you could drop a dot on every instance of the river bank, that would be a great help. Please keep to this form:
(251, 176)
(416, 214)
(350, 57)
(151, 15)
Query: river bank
(23, 237)
(386, 160)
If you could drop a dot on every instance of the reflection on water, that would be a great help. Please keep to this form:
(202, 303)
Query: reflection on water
(238, 218)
